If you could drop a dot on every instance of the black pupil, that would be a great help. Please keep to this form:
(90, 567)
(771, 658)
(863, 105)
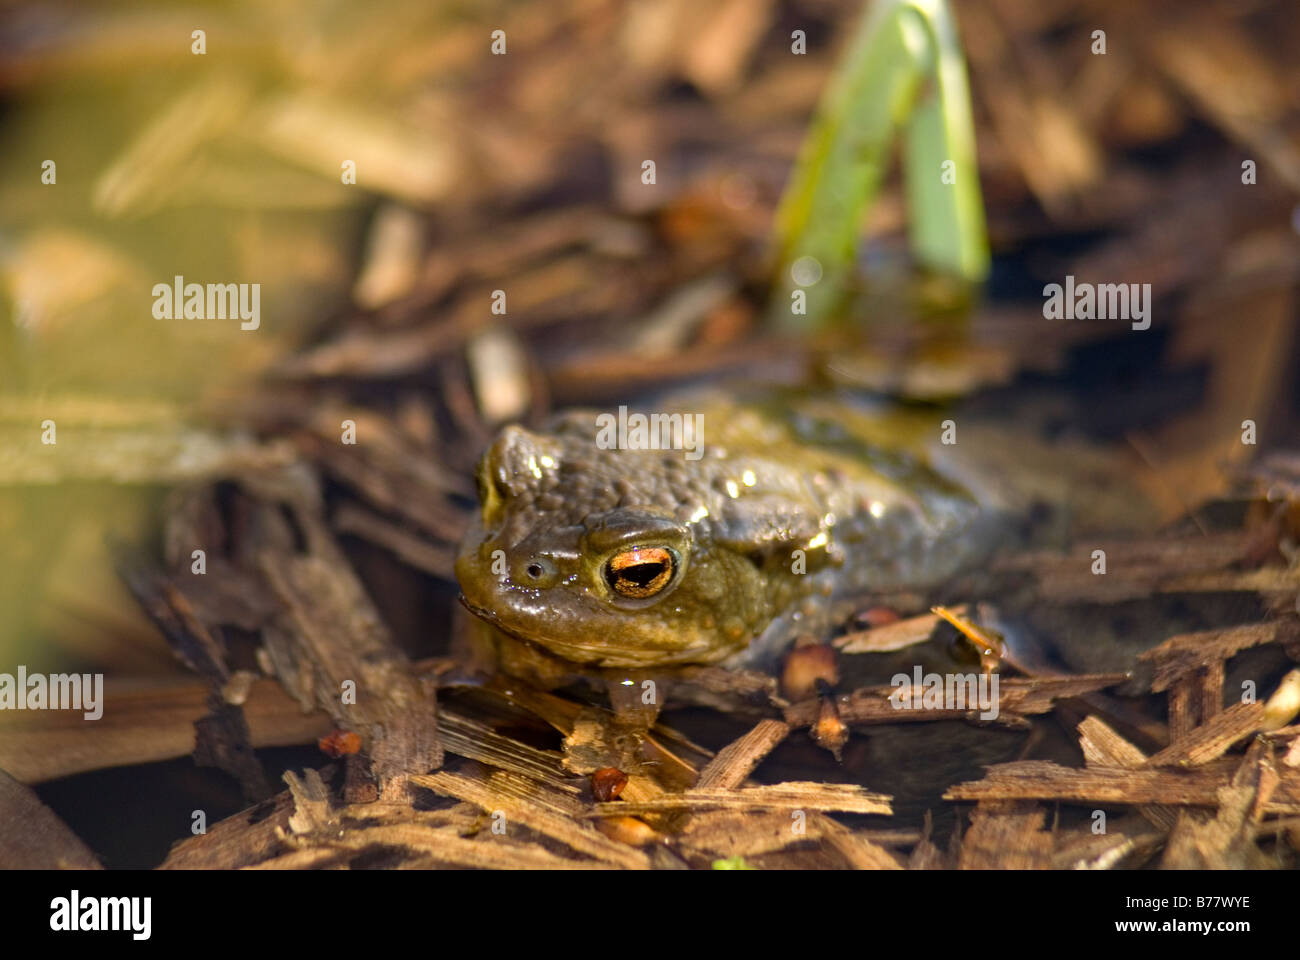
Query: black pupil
(534, 570)
(642, 574)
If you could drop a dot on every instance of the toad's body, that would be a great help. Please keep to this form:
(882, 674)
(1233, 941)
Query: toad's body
(648, 558)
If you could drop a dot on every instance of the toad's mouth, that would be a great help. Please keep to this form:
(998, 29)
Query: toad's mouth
(577, 652)
(491, 616)
(573, 653)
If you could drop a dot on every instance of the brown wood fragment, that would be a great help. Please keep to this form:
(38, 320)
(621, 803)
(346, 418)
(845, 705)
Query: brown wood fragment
(331, 628)
(734, 691)
(1054, 153)
(1103, 747)
(926, 856)
(1149, 566)
(1006, 835)
(32, 837)
(1187, 653)
(1184, 708)
(1264, 580)
(222, 740)
(736, 761)
(1119, 846)
(793, 795)
(307, 858)
(1017, 697)
(250, 836)
(156, 455)
(312, 805)
(893, 636)
(1191, 667)
(1291, 757)
(713, 834)
(359, 784)
(527, 804)
(421, 845)
(798, 857)
(389, 471)
(1211, 697)
(142, 724)
(1213, 739)
(1042, 780)
(856, 847)
(478, 741)
(1127, 717)
(406, 546)
(896, 837)
(1227, 841)
(1215, 63)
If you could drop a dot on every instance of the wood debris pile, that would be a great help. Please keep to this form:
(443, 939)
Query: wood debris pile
(328, 563)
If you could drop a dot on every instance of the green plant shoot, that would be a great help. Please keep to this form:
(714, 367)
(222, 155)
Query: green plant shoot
(904, 71)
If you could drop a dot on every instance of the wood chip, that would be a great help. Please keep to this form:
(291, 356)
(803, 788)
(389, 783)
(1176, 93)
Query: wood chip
(1213, 739)
(1120, 845)
(1006, 835)
(408, 547)
(312, 806)
(722, 834)
(478, 741)
(1017, 697)
(1188, 652)
(330, 626)
(1103, 747)
(1135, 568)
(737, 760)
(794, 795)
(528, 804)
(1215, 63)
(1226, 841)
(1042, 780)
(32, 837)
(859, 849)
(145, 724)
(250, 836)
(892, 636)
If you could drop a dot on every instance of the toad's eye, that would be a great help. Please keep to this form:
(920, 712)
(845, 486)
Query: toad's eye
(640, 572)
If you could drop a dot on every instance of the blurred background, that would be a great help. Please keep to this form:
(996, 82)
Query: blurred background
(223, 156)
